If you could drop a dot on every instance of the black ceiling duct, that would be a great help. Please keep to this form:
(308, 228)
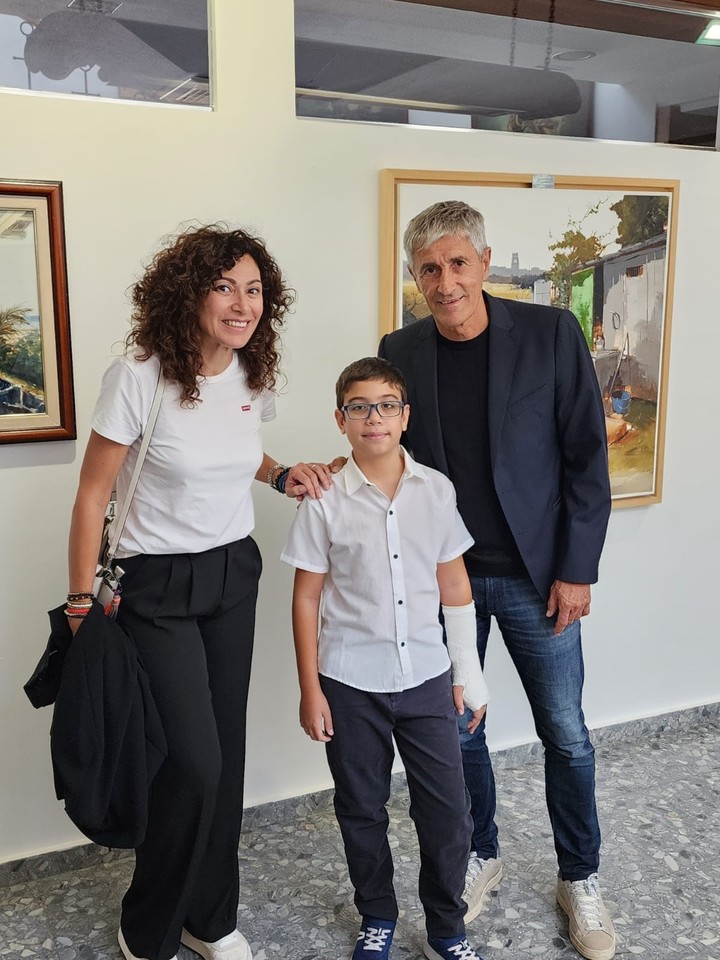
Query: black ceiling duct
(475, 87)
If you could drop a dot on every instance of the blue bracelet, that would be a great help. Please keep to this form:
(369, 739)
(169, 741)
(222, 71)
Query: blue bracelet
(282, 480)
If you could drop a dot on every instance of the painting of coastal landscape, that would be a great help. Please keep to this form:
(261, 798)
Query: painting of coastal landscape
(36, 400)
(602, 248)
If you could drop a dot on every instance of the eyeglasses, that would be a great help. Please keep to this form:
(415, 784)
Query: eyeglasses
(361, 411)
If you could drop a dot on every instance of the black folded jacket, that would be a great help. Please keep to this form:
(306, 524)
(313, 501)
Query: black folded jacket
(106, 739)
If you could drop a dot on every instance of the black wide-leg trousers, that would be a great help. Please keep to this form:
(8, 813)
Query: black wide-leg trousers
(423, 723)
(192, 617)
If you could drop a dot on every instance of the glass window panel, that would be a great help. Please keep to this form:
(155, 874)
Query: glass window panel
(121, 49)
(590, 68)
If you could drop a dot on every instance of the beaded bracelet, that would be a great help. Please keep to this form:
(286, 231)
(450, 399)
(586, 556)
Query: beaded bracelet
(271, 473)
(77, 614)
(71, 597)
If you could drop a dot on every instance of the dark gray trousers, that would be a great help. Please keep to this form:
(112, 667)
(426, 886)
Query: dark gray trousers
(423, 722)
(192, 617)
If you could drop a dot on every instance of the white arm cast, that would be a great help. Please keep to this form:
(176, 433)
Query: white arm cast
(461, 633)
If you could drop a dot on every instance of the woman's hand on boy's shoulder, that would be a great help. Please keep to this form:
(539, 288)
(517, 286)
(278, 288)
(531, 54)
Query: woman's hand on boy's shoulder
(310, 479)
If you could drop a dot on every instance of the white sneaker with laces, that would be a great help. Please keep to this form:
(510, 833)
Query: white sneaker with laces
(232, 947)
(589, 924)
(482, 876)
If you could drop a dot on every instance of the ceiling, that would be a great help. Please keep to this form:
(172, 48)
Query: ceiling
(413, 49)
(664, 21)
(191, 14)
(435, 51)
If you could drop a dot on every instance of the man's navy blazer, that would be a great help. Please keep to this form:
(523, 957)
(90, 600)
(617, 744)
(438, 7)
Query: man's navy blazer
(546, 423)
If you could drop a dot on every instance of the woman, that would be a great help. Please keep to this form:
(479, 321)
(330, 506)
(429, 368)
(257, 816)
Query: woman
(206, 313)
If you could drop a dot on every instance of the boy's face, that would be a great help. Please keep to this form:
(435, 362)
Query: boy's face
(376, 435)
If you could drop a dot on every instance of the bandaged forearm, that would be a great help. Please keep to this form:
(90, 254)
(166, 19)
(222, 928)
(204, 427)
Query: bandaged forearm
(461, 633)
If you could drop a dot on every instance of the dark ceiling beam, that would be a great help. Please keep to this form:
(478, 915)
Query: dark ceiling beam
(665, 24)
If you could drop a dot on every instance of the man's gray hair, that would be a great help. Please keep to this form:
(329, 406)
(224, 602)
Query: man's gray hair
(447, 218)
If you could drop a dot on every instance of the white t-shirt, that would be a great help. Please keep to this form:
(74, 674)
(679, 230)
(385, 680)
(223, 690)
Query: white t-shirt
(379, 627)
(194, 487)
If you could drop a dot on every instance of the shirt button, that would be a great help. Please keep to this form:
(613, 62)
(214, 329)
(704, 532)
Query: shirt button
(395, 556)
(391, 513)
(402, 644)
(400, 602)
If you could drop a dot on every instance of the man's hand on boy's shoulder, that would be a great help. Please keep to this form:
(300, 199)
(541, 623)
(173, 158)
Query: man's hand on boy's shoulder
(315, 716)
(477, 716)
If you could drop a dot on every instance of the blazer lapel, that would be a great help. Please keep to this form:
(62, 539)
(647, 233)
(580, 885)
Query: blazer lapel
(427, 407)
(503, 352)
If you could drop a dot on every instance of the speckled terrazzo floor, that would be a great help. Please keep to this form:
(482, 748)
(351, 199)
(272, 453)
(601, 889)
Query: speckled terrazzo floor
(658, 794)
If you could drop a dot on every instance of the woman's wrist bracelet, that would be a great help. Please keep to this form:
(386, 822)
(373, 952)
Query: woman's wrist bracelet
(75, 597)
(282, 480)
(271, 473)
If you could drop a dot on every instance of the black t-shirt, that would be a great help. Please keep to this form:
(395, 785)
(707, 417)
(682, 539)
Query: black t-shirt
(462, 372)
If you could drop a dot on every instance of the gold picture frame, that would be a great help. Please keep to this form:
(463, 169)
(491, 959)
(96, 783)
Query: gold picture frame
(604, 247)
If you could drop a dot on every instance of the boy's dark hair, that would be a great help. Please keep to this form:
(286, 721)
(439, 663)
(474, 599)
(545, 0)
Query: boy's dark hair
(370, 368)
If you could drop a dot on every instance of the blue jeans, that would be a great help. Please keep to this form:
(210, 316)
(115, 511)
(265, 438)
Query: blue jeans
(551, 671)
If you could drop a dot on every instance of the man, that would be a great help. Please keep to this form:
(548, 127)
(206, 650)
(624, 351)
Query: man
(505, 402)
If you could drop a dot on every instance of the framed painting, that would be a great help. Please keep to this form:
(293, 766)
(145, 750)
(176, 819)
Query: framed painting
(36, 387)
(601, 247)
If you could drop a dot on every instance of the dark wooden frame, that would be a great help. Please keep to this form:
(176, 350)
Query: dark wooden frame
(58, 422)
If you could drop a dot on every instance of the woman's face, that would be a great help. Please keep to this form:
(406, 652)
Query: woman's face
(230, 313)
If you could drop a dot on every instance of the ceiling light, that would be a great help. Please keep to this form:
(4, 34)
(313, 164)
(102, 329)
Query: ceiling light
(573, 55)
(711, 33)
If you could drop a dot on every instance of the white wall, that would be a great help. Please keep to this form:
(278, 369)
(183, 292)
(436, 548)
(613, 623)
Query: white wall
(619, 113)
(131, 174)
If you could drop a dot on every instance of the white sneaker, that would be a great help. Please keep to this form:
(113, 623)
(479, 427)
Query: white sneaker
(481, 877)
(589, 924)
(232, 947)
(126, 950)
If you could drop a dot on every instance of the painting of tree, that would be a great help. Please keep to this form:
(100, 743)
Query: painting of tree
(641, 218)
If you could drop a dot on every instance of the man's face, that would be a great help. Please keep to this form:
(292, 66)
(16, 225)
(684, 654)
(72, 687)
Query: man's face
(450, 275)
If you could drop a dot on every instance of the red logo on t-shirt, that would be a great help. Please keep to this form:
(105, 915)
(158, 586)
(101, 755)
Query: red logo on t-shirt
(245, 407)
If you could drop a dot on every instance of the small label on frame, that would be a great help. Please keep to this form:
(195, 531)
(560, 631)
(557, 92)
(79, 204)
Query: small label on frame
(543, 181)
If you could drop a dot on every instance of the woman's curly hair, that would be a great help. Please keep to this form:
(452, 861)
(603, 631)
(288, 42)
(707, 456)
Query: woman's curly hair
(167, 299)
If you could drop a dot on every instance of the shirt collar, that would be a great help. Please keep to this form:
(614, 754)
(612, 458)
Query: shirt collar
(354, 477)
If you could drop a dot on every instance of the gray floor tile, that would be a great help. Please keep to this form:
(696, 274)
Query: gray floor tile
(658, 794)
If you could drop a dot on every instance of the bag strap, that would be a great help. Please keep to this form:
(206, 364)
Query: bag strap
(119, 523)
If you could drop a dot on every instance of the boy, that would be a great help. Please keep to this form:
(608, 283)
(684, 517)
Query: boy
(382, 549)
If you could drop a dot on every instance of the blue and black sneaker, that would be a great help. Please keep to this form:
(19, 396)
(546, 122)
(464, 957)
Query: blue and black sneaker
(374, 939)
(450, 948)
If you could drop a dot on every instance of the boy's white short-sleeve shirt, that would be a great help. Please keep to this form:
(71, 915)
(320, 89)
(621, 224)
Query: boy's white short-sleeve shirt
(379, 627)
(194, 487)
